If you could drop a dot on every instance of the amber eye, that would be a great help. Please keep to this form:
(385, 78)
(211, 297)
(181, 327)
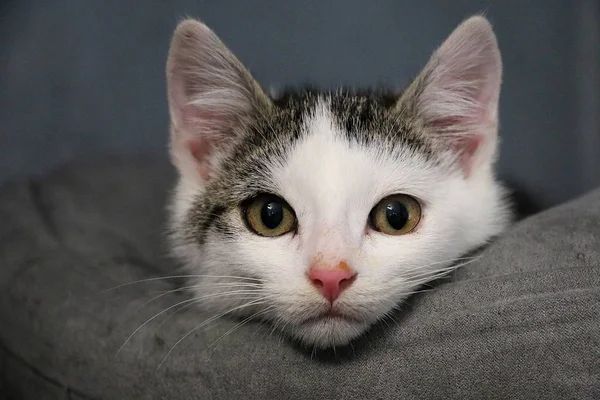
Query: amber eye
(269, 215)
(396, 215)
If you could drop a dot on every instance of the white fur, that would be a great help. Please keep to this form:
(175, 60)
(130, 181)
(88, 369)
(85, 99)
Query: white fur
(332, 185)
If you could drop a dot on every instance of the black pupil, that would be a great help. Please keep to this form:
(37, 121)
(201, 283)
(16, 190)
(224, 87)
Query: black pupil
(396, 214)
(272, 214)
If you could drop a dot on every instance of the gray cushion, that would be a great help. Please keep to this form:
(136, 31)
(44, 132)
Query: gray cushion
(521, 322)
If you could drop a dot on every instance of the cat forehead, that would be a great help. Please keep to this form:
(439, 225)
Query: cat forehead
(366, 117)
(332, 167)
(363, 121)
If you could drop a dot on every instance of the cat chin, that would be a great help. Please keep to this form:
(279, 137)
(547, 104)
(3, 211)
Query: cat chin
(327, 332)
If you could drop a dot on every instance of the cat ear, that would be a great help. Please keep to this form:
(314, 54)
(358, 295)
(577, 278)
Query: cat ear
(455, 97)
(211, 95)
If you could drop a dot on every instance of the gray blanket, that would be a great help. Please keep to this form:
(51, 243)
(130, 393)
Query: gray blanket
(522, 322)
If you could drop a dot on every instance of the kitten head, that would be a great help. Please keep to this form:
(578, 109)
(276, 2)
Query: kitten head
(321, 212)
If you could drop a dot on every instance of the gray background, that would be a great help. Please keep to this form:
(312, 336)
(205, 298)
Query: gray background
(85, 78)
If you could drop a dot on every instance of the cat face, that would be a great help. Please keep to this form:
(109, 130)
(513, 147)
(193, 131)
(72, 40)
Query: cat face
(321, 212)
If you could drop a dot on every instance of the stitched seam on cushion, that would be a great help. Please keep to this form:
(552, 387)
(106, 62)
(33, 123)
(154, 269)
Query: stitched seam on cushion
(68, 390)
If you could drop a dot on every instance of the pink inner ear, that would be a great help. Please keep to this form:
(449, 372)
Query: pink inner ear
(467, 126)
(200, 150)
(450, 122)
(199, 120)
(466, 147)
(204, 129)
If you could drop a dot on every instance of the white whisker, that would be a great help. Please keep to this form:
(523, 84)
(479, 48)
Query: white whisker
(158, 278)
(429, 274)
(249, 304)
(238, 325)
(193, 299)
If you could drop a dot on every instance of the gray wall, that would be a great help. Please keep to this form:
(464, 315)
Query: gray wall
(82, 78)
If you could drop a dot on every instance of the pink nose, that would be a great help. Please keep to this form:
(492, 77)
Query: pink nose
(331, 282)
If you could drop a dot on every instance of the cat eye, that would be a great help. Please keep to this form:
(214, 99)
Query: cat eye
(269, 215)
(395, 215)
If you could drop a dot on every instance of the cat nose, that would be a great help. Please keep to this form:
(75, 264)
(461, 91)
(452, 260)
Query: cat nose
(331, 282)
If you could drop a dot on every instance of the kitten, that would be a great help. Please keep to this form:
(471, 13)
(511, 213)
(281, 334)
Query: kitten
(321, 212)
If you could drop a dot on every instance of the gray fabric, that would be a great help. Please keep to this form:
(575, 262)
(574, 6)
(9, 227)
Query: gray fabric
(522, 322)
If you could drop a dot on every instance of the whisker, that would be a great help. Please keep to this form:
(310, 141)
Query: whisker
(180, 277)
(282, 331)
(191, 304)
(424, 276)
(159, 296)
(187, 306)
(384, 320)
(258, 301)
(450, 261)
(259, 327)
(427, 274)
(236, 326)
(226, 284)
(213, 285)
(193, 299)
(390, 315)
(430, 277)
(274, 324)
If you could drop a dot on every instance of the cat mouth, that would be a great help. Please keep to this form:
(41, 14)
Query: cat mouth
(332, 315)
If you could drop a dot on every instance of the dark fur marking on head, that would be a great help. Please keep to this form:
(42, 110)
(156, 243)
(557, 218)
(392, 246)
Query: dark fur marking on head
(366, 117)
(216, 212)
